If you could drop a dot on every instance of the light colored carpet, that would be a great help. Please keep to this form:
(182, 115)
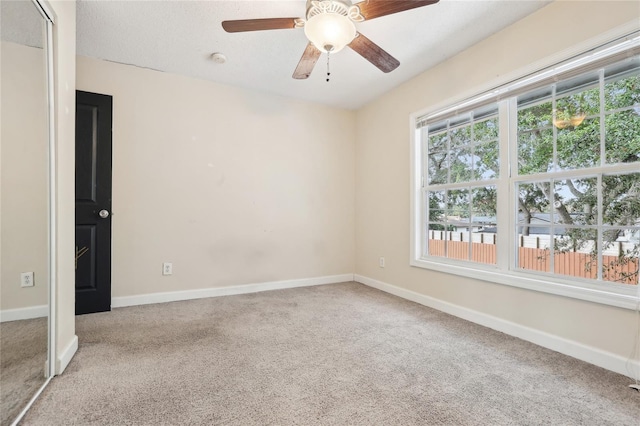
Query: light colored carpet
(327, 355)
(23, 353)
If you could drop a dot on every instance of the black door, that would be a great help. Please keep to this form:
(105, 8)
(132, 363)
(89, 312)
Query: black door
(93, 202)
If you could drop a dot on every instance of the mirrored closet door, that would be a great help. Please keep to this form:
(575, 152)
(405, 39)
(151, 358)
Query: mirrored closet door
(25, 198)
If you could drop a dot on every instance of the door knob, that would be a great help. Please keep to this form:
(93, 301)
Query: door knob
(103, 214)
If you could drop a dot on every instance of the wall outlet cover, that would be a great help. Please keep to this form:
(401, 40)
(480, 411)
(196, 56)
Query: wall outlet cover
(26, 279)
(167, 268)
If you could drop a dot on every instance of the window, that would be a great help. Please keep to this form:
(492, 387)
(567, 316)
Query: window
(540, 182)
(462, 171)
(577, 185)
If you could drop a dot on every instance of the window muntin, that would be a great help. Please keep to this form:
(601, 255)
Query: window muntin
(574, 184)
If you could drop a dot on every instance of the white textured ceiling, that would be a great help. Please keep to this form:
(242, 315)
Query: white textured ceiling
(180, 36)
(20, 22)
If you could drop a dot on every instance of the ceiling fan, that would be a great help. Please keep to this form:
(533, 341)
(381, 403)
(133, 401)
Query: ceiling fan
(330, 26)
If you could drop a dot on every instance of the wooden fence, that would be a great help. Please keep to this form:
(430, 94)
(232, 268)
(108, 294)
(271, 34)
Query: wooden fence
(615, 248)
(533, 259)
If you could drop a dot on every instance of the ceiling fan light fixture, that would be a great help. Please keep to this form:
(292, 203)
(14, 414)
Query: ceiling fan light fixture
(330, 32)
(563, 119)
(577, 119)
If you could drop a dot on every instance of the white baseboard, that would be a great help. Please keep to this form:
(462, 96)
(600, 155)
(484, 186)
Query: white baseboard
(145, 299)
(24, 313)
(65, 357)
(607, 360)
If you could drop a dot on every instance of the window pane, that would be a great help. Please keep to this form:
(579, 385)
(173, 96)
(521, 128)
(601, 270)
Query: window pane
(485, 203)
(458, 224)
(582, 103)
(486, 161)
(436, 243)
(486, 131)
(483, 247)
(461, 165)
(576, 201)
(458, 207)
(533, 203)
(533, 249)
(436, 227)
(620, 255)
(534, 225)
(438, 142)
(458, 245)
(622, 136)
(575, 253)
(622, 93)
(436, 207)
(460, 136)
(579, 146)
(483, 224)
(535, 117)
(535, 151)
(621, 199)
(438, 167)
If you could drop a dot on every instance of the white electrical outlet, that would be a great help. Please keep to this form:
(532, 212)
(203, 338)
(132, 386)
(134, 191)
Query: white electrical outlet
(26, 279)
(167, 268)
(381, 262)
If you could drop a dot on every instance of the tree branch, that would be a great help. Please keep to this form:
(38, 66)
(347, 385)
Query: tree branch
(573, 189)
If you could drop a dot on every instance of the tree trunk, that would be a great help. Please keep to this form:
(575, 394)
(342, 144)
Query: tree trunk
(527, 215)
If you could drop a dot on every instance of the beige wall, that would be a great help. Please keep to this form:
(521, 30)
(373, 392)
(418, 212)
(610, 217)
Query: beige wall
(383, 176)
(23, 176)
(65, 100)
(231, 186)
(265, 189)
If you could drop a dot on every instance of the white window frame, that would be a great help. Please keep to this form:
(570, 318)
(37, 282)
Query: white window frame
(628, 37)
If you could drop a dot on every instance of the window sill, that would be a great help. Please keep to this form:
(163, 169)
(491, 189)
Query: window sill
(627, 298)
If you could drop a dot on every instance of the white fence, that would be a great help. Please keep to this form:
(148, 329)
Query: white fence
(529, 241)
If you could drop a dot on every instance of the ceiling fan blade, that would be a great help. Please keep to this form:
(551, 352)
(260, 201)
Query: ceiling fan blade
(374, 53)
(307, 62)
(259, 24)
(371, 9)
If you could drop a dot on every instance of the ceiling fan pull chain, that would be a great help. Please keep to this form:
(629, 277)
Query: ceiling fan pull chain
(328, 73)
